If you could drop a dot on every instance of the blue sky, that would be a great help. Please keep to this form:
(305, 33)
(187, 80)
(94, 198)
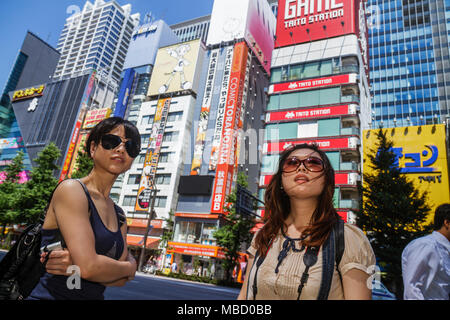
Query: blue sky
(46, 19)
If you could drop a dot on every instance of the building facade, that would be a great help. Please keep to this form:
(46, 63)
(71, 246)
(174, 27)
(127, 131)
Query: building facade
(319, 91)
(409, 62)
(35, 63)
(97, 38)
(192, 29)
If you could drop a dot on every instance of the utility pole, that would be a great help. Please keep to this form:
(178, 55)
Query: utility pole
(151, 216)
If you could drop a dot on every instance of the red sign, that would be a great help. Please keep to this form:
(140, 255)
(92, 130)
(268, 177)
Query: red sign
(302, 21)
(340, 179)
(301, 114)
(227, 149)
(196, 249)
(324, 144)
(312, 83)
(70, 151)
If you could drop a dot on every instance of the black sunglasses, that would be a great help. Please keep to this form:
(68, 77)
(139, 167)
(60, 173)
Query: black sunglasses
(110, 141)
(312, 164)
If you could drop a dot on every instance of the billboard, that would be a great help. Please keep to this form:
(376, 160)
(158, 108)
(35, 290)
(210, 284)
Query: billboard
(152, 156)
(310, 113)
(124, 93)
(175, 68)
(252, 20)
(94, 117)
(421, 155)
(29, 93)
(204, 114)
(302, 21)
(232, 116)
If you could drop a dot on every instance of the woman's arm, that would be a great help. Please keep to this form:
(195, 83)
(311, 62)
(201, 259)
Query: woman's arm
(126, 256)
(355, 285)
(72, 214)
(243, 293)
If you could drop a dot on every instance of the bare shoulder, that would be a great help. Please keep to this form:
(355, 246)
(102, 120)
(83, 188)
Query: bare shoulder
(70, 193)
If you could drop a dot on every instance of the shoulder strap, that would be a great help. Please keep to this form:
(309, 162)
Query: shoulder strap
(332, 252)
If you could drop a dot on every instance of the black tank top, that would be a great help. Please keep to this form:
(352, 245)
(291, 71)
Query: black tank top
(107, 243)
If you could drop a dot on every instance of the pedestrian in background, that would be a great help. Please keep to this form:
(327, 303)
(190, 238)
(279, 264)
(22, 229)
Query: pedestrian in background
(426, 261)
(299, 213)
(83, 216)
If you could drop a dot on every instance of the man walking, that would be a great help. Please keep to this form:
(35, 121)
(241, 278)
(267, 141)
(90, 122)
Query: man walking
(426, 261)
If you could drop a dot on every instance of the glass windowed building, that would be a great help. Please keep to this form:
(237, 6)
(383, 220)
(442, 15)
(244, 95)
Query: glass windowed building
(409, 61)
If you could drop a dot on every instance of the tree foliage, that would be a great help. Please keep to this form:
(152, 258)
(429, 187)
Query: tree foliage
(393, 211)
(235, 232)
(83, 165)
(34, 194)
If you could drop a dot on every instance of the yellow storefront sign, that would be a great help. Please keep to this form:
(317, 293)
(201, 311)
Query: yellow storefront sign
(421, 154)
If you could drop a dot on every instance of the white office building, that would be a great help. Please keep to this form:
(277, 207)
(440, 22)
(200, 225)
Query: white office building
(97, 38)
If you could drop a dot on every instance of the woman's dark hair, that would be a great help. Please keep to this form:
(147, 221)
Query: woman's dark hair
(278, 206)
(442, 213)
(106, 126)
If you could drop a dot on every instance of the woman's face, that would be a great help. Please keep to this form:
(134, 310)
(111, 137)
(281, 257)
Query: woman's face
(116, 160)
(303, 183)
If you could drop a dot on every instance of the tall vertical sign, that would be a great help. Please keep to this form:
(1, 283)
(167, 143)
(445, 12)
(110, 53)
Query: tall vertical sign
(232, 116)
(204, 115)
(152, 156)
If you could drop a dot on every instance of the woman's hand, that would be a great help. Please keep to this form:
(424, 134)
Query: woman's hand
(58, 263)
(133, 263)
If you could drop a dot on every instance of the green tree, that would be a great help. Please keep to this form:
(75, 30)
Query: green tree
(168, 231)
(83, 165)
(35, 194)
(235, 232)
(393, 211)
(9, 190)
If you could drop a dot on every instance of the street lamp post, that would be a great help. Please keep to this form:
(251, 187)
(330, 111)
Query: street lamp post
(151, 216)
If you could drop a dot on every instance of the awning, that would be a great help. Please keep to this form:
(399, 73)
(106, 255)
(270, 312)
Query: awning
(138, 241)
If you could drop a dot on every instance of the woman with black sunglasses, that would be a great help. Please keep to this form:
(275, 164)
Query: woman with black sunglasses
(91, 227)
(299, 218)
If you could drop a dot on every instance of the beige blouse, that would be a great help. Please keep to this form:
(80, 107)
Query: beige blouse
(283, 285)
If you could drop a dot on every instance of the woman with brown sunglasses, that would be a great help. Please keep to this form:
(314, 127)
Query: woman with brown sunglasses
(90, 228)
(299, 214)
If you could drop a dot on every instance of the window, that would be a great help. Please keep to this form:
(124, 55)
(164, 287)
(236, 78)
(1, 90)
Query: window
(175, 116)
(163, 179)
(147, 120)
(160, 202)
(129, 201)
(170, 136)
(134, 178)
(165, 157)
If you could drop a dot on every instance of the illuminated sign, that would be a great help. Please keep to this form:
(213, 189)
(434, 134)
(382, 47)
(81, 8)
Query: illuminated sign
(325, 144)
(302, 21)
(349, 179)
(11, 143)
(312, 84)
(309, 113)
(196, 249)
(421, 155)
(28, 93)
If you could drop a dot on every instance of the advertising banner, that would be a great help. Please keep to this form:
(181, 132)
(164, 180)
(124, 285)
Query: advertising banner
(340, 179)
(125, 93)
(310, 113)
(204, 114)
(175, 68)
(94, 117)
(312, 83)
(152, 156)
(326, 144)
(196, 249)
(225, 164)
(421, 155)
(301, 21)
(11, 143)
(79, 146)
(221, 109)
(252, 20)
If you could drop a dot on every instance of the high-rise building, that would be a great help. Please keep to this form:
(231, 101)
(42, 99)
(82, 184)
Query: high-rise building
(409, 61)
(96, 38)
(193, 29)
(319, 90)
(35, 63)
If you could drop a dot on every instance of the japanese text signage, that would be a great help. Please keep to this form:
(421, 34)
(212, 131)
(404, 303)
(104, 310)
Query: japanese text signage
(28, 93)
(302, 21)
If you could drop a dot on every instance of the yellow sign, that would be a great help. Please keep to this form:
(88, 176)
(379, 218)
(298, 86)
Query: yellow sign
(421, 154)
(174, 68)
(28, 93)
(94, 117)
